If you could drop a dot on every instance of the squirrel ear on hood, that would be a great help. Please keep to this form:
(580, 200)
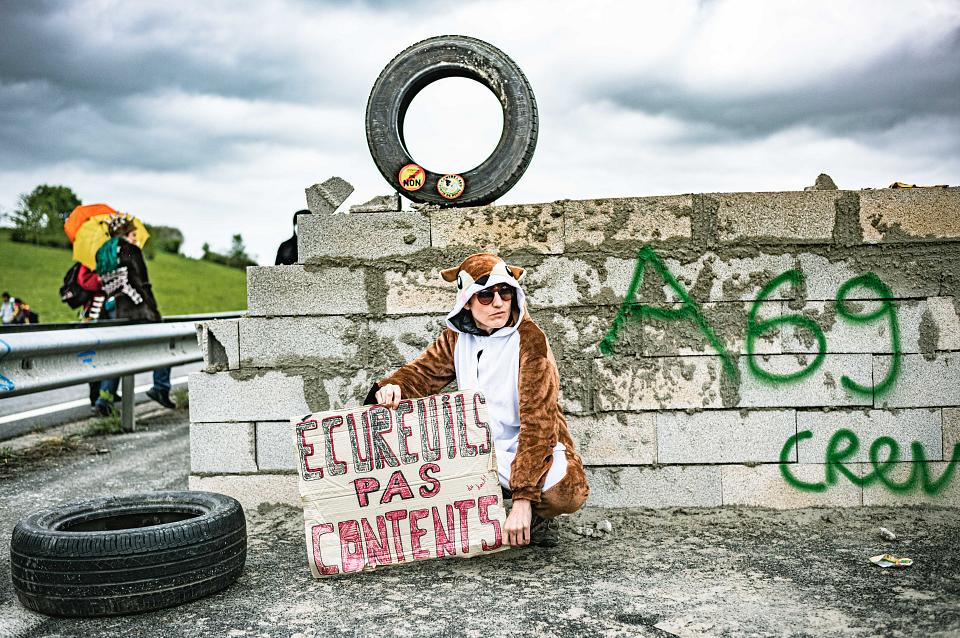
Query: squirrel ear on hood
(517, 272)
(479, 265)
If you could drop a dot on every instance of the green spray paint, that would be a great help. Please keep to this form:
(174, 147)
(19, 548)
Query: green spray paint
(689, 310)
(873, 283)
(756, 329)
(844, 444)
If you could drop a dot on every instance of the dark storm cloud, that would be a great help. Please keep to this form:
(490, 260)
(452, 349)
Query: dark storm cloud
(88, 60)
(888, 92)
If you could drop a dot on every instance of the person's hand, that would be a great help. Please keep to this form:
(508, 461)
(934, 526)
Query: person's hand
(389, 395)
(517, 526)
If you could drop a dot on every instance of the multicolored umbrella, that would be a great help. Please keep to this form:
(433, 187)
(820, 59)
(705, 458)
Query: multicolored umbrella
(87, 228)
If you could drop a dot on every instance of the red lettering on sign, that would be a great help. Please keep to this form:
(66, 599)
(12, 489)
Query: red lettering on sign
(364, 486)
(434, 488)
(316, 532)
(416, 533)
(446, 537)
(483, 503)
(309, 449)
(395, 517)
(462, 507)
(378, 549)
(350, 559)
(397, 485)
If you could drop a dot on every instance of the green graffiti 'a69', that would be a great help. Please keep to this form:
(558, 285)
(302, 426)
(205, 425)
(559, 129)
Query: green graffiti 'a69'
(689, 310)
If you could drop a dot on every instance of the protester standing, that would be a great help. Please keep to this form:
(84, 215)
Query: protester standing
(7, 308)
(123, 275)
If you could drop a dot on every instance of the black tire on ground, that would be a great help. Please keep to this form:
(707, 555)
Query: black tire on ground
(127, 554)
(435, 59)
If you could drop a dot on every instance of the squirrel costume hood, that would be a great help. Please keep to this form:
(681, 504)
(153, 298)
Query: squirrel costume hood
(475, 273)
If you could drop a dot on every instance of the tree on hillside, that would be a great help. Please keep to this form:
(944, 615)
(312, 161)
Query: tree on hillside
(236, 258)
(39, 215)
(163, 238)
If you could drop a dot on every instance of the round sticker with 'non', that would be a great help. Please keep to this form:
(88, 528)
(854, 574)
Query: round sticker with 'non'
(412, 177)
(451, 186)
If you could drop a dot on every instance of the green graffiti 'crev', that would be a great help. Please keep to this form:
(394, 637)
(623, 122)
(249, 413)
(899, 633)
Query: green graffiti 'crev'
(873, 283)
(757, 328)
(688, 310)
(844, 444)
(785, 464)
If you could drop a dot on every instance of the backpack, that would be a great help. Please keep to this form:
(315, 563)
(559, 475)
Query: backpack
(71, 293)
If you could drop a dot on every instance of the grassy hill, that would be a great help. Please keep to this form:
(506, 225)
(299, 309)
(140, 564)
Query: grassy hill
(181, 285)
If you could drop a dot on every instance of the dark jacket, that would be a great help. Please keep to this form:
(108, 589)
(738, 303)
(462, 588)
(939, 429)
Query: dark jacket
(287, 253)
(132, 257)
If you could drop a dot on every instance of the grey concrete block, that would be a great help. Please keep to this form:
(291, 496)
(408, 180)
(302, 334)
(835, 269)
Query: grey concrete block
(534, 228)
(399, 340)
(904, 275)
(576, 386)
(367, 236)
(722, 279)
(379, 204)
(276, 446)
(663, 486)
(304, 290)
(951, 431)
(793, 217)
(910, 214)
(325, 198)
(723, 436)
(630, 219)
(904, 426)
(764, 486)
(821, 388)
(662, 383)
(920, 382)
(564, 281)
(577, 333)
(418, 292)
(222, 448)
(621, 438)
(727, 321)
(278, 342)
(879, 494)
(925, 326)
(252, 490)
(231, 396)
(219, 343)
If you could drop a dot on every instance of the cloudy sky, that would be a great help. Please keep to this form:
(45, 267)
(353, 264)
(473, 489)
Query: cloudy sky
(215, 116)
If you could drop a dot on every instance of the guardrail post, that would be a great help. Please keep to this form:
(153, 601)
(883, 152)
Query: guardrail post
(126, 405)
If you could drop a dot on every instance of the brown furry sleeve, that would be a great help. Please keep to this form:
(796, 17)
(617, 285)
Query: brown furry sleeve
(428, 373)
(540, 415)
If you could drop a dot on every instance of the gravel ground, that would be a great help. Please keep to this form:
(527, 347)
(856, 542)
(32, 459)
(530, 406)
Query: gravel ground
(685, 572)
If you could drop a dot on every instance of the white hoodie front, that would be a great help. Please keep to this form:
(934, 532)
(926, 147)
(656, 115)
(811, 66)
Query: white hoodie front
(491, 364)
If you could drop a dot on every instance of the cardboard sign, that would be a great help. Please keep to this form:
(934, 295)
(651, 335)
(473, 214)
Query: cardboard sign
(384, 487)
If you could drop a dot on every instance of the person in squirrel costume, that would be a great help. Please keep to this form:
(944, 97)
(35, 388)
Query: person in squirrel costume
(492, 344)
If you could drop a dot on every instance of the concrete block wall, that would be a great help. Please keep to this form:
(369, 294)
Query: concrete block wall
(700, 401)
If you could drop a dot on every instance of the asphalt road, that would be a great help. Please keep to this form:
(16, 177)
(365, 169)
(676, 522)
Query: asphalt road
(683, 572)
(35, 411)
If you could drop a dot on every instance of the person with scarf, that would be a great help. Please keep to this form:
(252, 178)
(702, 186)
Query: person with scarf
(123, 275)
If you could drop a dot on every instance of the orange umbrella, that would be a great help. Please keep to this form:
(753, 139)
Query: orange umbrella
(81, 214)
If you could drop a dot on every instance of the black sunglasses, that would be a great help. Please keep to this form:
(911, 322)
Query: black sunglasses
(485, 296)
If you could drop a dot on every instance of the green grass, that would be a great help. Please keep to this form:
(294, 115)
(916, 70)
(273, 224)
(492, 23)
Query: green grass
(181, 285)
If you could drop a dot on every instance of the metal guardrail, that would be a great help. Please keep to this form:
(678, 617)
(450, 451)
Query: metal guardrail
(34, 361)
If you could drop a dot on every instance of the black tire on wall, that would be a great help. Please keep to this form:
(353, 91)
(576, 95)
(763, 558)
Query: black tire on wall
(127, 554)
(435, 59)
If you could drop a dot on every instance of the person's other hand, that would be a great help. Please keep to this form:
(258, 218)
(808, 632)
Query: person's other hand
(389, 395)
(517, 526)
